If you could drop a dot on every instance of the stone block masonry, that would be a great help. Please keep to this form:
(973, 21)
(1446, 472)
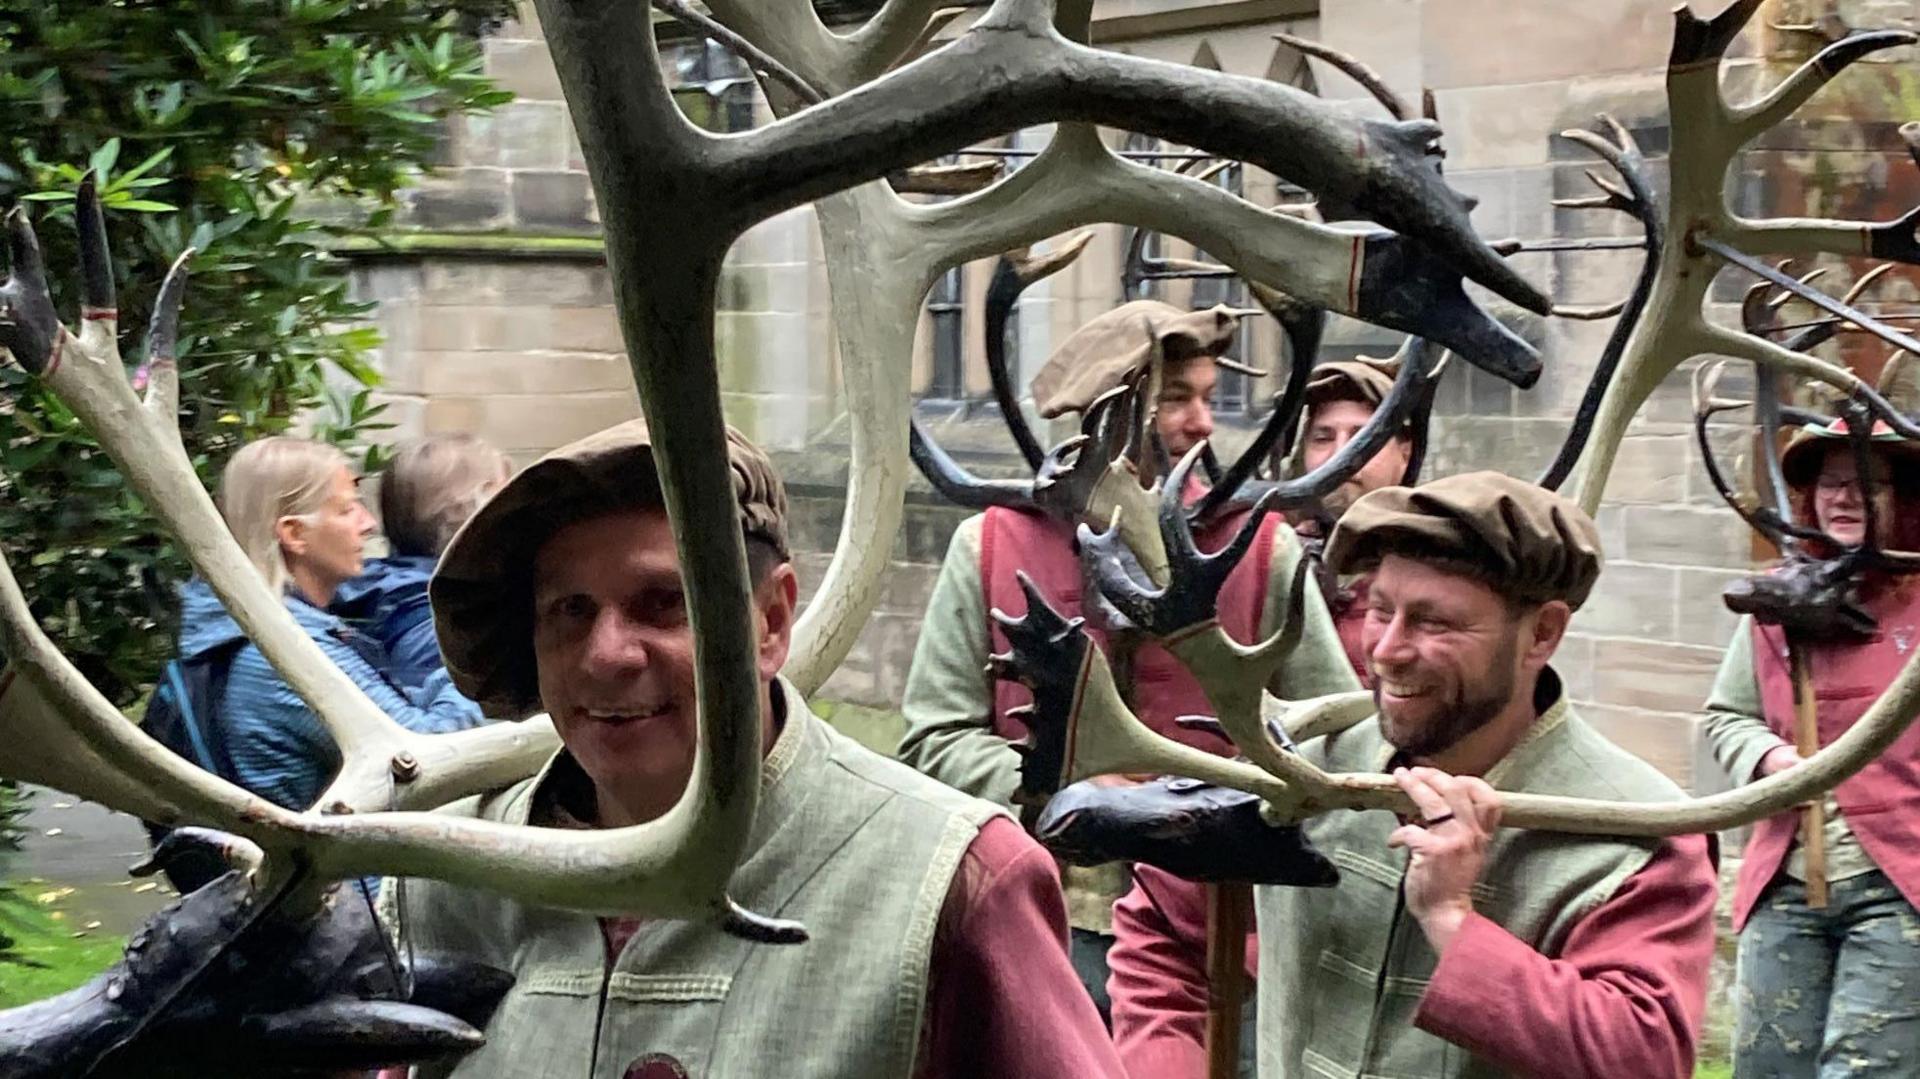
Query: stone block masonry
(522, 346)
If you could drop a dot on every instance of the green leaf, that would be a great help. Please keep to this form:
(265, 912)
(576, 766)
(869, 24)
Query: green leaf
(102, 160)
(141, 169)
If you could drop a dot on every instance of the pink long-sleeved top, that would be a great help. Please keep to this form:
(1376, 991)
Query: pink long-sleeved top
(1625, 996)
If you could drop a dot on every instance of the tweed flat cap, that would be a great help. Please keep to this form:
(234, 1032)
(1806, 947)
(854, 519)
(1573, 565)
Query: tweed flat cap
(1101, 354)
(1539, 545)
(1800, 461)
(1363, 380)
(482, 590)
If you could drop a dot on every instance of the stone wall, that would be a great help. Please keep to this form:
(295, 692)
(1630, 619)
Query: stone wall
(501, 324)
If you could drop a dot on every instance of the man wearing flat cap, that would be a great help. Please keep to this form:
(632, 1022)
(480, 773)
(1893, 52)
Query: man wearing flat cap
(1451, 948)
(961, 725)
(1160, 985)
(937, 931)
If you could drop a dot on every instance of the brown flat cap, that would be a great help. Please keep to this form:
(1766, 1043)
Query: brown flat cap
(1363, 380)
(482, 589)
(1539, 545)
(1800, 461)
(1100, 355)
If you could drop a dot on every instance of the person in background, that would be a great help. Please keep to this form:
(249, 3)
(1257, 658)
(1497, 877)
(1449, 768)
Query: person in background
(1159, 985)
(1829, 992)
(960, 726)
(295, 509)
(427, 491)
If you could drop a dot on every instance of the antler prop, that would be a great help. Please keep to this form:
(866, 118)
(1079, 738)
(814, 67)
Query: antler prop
(1708, 132)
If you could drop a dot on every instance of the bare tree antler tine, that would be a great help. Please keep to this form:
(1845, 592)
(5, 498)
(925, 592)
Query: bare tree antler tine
(99, 315)
(1749, 121)
(1302, 327)
(1012, 275)
(746, 50)
(1417, 359)
(1353, 68)
(30, 329)
(959, 486)
(1780, 530)
(1003, 291)
(1418, 424)
(1623, 154)
(160, 370)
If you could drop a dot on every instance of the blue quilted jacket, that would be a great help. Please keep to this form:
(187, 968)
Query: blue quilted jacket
(389, 601)
(278, 746)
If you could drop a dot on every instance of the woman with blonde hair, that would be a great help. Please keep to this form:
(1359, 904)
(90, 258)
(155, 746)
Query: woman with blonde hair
(427, 491)
(295, 509)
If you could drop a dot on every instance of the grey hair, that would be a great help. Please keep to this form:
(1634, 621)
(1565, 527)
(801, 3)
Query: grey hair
(432, 485)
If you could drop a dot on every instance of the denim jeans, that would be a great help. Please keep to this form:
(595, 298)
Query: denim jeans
(1823, 994)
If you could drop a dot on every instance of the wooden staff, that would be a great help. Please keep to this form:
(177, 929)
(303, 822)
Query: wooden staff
(1227, 907)
(1806, 737)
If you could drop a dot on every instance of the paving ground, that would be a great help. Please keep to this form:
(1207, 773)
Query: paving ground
(78, 845)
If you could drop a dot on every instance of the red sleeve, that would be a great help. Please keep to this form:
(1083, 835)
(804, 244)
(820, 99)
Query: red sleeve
(1004, 1000)
(1159, 979)
(1626, 997)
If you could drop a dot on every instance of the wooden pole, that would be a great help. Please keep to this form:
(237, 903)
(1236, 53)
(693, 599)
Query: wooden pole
(1227, 909)
(1806, 737)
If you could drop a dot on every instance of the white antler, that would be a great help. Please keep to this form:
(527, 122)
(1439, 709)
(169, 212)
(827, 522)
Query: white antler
(888, 252)
(673, 200)
(1707, 133)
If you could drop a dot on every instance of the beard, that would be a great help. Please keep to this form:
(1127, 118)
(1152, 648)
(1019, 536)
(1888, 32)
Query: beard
(1470, 708)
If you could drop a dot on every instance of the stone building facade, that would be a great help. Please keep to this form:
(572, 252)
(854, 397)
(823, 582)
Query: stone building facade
(496, 306)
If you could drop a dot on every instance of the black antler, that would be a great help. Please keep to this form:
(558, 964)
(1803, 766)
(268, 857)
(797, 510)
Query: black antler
(1419, 361)
(1624, 156)
(1045, 652)
(1194, 578)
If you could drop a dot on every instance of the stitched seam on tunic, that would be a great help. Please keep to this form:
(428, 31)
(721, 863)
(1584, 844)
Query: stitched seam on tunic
(1334, 963)
(563, 983)
(1320, 1065)
(1369, 868)
(667, 988)
(910, 1004)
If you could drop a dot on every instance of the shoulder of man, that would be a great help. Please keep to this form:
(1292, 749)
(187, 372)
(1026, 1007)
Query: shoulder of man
(1615, 771)
(856, 764)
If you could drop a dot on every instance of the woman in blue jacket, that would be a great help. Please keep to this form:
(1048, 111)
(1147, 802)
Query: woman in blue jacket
(295, 509)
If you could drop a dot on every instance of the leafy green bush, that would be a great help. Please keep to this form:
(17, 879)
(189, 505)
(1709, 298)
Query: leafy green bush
(12, 808)
(229, 127)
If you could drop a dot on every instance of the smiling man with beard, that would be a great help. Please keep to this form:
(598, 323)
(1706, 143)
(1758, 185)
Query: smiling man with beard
(938, 933)
(1451, 948)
